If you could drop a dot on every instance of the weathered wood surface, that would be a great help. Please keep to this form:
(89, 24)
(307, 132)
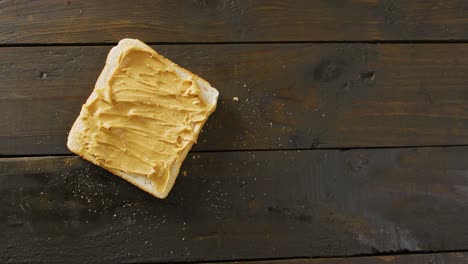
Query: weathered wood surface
(75, 21)
(438, 258)
(290, 95)
(238, 205)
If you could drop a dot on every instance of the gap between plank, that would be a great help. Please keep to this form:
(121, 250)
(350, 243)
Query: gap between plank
(454, 41)
(257, 150)
(397, 253)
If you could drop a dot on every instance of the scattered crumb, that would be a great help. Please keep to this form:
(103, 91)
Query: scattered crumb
(245, 85)
(236, 99)
(184, 173)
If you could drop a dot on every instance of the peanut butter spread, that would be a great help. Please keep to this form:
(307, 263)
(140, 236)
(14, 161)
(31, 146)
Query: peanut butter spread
(144, 117)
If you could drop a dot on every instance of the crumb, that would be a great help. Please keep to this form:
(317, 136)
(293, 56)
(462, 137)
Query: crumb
(184, 173)
(236, 99)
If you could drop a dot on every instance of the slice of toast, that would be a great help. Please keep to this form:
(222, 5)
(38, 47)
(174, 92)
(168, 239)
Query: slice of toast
(143, 117)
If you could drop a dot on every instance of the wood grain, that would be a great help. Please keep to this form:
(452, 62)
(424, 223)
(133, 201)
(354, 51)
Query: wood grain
(84, 21)
(439, 258)
(291, 96)
(238, 205)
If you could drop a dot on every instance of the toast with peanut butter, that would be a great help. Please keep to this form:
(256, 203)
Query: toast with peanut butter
(143, 117)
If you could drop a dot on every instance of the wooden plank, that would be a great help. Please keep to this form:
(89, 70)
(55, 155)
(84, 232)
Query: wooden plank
(238, 205)
(439, 258)
(291, 95)
(81, 21)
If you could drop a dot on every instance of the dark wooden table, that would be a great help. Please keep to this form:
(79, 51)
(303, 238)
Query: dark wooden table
(349, 142)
